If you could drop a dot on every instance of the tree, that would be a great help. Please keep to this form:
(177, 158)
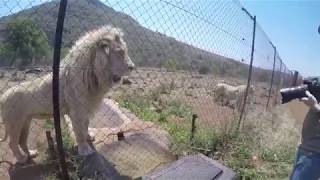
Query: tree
(204, 69)
(25, 41)
(6, 55)
(171, 65)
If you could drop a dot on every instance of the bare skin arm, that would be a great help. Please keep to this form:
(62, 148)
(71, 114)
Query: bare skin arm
(311, 102)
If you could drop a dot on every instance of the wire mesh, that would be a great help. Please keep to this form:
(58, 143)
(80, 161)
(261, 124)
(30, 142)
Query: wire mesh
(191, 57)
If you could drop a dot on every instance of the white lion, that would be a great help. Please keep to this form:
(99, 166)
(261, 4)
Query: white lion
(97, 61)
(232, 96)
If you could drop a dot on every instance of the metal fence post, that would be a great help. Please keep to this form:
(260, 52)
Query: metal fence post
(295, 78)
(272, 76)
(250, 68)
(279, 83)
(193, 128)
(55, 88)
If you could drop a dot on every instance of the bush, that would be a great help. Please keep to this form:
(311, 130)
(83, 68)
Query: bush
(6, 55)
(204, 70)
(263, 76)
(219, 69)
(24, 41)
(143, 107)
(171, 65)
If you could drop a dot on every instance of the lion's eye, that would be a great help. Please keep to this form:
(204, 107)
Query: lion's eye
(120, 51)
(104, 45)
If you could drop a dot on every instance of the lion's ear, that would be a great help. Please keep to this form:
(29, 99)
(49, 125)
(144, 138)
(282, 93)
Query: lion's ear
(117, 38)
(105, 45)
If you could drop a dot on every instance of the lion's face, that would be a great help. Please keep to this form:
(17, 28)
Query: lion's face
(119, 62)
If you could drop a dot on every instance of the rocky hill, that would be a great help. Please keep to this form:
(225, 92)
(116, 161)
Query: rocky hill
(146, 47)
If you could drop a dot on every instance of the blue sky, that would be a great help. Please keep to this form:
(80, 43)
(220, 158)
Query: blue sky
(292, 26)
(223, 28)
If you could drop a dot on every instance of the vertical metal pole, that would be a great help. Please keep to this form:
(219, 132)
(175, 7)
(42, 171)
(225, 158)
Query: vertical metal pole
(285, 77)
(274, 64)
(193, 128)
(294, 78)
(280, 81)
(55, 88)
(250, 68)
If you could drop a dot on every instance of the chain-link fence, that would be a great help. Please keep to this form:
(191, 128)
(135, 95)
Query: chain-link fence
(190, 83)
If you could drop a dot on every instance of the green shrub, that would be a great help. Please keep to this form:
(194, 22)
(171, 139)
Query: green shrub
(24, 41)
(140, 107)
(171, 65)
(204, 69)
(278, 154)
(48, 124)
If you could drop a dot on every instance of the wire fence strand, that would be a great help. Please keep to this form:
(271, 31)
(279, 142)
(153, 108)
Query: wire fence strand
(133, 76)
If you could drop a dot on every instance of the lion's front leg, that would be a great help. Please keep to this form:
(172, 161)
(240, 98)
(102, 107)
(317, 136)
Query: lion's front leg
(80, 125)
(23, 141)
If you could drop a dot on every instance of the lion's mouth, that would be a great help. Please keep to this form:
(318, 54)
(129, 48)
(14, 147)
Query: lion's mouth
(116, 78)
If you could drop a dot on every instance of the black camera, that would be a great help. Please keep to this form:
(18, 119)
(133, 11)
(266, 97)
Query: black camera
(311, 84)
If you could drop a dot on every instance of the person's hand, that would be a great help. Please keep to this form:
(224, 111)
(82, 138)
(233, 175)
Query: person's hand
(311, 101)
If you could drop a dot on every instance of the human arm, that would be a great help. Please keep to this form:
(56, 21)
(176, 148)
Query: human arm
(311, 102)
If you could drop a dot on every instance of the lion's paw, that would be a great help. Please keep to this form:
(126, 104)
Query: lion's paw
(33, 153)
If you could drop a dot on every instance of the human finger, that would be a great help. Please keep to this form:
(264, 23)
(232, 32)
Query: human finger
(309, 94)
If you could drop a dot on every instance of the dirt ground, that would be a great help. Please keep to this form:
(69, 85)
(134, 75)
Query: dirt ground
(277, 127)
(37, 140)
(298, 110)
(193, 89)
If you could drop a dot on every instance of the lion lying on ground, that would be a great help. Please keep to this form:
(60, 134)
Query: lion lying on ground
(97, 61)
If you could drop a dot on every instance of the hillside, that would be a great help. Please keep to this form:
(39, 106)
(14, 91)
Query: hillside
(146, 47)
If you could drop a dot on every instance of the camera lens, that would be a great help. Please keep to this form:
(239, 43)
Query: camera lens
(289, 94)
